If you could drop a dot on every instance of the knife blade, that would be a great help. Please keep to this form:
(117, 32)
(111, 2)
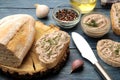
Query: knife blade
(87, 53)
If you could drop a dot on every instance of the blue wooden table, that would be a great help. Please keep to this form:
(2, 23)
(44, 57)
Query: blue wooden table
(9, 7)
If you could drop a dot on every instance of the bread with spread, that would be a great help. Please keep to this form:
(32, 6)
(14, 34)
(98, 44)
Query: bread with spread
(51, 48)
(109, 51)
(16, 37)
(31, 66)
(115, 18)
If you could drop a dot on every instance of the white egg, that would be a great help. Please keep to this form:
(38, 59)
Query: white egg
(41, 10)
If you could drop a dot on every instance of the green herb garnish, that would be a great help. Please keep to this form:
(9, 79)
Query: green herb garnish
(118, 20)
(92, 23)
(47, 48)
(53, 41)
(117, 50)
(49, 53)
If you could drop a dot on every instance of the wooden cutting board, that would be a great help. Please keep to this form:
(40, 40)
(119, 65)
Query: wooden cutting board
(31, 64)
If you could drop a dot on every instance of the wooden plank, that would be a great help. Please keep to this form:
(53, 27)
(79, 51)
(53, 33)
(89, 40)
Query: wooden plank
(30, 3)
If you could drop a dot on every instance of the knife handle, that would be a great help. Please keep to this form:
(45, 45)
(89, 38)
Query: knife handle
(102, 72)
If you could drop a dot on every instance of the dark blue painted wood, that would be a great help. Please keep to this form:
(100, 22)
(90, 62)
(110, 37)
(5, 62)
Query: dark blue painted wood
(30, 3)
(10, 7)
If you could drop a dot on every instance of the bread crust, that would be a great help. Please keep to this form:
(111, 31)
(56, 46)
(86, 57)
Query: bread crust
(115, 18)
(16, 37)
(109, 52)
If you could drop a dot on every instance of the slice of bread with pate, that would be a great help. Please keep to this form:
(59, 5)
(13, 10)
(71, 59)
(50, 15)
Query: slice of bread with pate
(115, 17)
(109, 51)
(52, 47)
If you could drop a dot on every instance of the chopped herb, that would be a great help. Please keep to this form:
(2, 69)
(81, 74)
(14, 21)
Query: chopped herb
(92, 23)
(55, 37)
(43, 43)
(49, 53)
(52, 42)
(118, 20)
(47, 48)
(117, 51)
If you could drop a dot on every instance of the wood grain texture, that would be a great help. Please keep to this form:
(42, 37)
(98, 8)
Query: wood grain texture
(30, 3)
(8, 7)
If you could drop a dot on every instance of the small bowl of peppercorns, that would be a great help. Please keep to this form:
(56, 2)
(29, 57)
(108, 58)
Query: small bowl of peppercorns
(65, 16)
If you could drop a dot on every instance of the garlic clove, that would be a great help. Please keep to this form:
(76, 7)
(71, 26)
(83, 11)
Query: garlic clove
(41, 10)
(76, 64)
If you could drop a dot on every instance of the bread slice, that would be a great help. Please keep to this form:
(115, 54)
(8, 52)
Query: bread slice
(17, 34)
(115, 18)
(109, 51)
(51, 48)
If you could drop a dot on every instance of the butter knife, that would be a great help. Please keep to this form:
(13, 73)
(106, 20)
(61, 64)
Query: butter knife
(87, 53)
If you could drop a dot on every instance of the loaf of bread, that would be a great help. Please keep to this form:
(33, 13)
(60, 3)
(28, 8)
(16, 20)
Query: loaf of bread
(115, 17)
(16, 37)
(51, 48)
(109, 51)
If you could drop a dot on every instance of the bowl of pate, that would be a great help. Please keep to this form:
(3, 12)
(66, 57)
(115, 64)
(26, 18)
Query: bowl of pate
(95, 24)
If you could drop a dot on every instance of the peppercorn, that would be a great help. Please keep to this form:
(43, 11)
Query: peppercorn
(66, 15)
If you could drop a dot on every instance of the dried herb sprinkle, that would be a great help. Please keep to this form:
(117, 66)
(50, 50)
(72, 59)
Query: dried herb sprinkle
(92, 23)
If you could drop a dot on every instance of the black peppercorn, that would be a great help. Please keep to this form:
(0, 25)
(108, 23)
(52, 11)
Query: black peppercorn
(66, 15)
